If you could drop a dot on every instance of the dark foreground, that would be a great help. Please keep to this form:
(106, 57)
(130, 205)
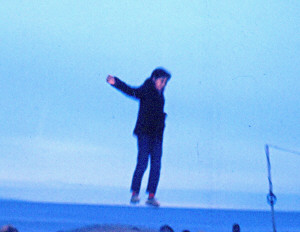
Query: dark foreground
(50, 217)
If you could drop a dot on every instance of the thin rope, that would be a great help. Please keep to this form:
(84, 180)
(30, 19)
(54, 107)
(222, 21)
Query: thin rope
(284, 149)
(271, 198)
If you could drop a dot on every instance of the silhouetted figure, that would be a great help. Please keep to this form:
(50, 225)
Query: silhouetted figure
(149, 129)
(166, 228)
(236, 228)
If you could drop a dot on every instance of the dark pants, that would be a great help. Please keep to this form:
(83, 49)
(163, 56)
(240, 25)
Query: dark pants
(147, 146)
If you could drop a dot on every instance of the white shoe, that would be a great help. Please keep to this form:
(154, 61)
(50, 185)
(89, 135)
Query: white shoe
(152, 202)
(135, 199)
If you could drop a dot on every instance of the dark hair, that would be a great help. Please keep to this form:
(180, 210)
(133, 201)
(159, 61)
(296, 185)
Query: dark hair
(236, 228)
(166, 228)
(8, 228)
(160, 72)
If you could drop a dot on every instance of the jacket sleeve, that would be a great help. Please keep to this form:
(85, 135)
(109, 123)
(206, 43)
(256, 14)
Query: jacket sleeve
(136, 92)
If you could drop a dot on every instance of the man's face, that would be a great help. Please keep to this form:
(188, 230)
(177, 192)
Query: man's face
(160, 83)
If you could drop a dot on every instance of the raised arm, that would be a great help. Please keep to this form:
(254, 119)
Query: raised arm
(122, 86)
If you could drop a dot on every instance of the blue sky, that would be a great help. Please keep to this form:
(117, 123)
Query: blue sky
(235, 68)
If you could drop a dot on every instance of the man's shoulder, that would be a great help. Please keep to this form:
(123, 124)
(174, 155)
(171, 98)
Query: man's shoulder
(148, 82)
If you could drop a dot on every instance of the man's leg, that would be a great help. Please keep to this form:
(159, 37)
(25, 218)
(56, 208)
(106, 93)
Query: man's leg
(155, 154)
(142, 162)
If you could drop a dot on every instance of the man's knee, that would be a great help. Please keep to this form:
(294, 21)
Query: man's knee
(141, 166)
(156, 164)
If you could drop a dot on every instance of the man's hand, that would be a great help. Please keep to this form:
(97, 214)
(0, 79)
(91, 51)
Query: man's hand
(111, 80)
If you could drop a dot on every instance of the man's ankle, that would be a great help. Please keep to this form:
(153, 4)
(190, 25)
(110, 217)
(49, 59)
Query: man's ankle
(134, 193)
(151, 195)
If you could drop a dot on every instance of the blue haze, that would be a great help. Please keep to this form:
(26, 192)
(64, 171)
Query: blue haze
(235, 87)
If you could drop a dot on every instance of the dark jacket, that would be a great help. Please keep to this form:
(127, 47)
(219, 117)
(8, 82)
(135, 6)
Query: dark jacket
(151, 116)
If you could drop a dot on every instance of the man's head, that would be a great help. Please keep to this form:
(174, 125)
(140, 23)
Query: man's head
(160, 78)
(8, 228)
(166, 228)
(236, 228)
